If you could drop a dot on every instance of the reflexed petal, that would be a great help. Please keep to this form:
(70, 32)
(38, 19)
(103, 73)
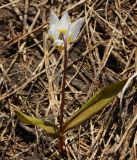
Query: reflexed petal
(53, 32)
(75, 29)
(53, 18)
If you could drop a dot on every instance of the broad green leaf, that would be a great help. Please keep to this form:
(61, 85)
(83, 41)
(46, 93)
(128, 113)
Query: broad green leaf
(95, 104)
(50, 128)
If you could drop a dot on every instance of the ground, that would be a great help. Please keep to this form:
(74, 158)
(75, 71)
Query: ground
(31, 72)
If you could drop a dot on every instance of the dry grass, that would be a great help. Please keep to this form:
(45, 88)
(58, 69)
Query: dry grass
(31, 72)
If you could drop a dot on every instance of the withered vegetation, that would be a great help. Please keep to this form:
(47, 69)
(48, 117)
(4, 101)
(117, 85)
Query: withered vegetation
(31, 73)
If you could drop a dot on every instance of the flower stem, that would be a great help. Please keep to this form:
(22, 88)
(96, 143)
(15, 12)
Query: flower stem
(61, 138)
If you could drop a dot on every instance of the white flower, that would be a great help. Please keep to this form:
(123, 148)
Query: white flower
(64, 27)
(74, 30)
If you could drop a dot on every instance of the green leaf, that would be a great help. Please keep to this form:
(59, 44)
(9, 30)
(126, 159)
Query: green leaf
(95, 104)
(50, 128)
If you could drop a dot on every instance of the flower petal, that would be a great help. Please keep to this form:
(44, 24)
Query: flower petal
(53, 18)
(53, 32)
(75, 29)
(59, 42)
(64, 23)
(65, 17)
(68, 34)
